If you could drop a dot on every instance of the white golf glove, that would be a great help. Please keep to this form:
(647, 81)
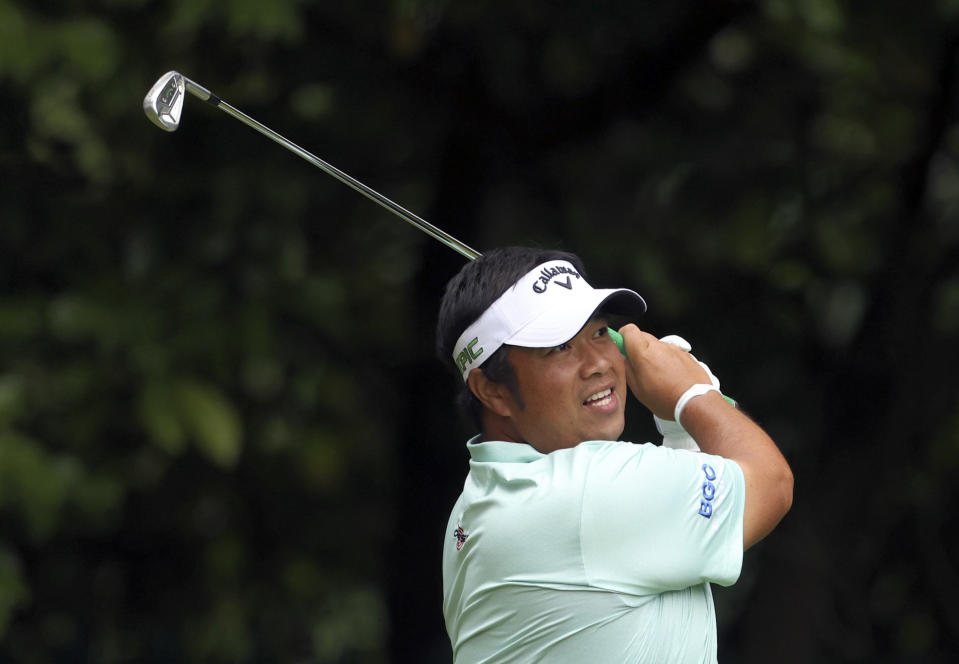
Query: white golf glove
(674, 435)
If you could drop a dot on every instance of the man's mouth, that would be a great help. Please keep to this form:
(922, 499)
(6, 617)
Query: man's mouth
(602, 398)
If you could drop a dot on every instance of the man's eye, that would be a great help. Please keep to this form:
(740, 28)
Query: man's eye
(602, 332)
(562, 348)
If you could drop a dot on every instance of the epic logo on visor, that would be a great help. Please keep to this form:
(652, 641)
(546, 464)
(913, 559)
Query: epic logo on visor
(468, 354)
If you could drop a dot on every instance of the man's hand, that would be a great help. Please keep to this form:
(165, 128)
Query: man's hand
(659, 373)
(674, 435)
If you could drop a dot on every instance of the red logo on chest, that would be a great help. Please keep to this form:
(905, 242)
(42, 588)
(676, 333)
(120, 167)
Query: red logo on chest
(460, 536)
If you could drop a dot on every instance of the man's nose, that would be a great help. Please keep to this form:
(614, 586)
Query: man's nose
(595, 360)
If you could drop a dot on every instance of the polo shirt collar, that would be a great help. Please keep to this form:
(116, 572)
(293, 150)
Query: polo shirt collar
(501, 451)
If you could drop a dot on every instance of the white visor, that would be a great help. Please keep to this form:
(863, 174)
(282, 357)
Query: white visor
(546, 308)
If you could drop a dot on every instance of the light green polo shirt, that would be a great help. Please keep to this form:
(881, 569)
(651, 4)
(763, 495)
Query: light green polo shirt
(599, 553)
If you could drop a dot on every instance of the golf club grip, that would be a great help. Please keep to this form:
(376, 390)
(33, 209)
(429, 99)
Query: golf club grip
(617, 339)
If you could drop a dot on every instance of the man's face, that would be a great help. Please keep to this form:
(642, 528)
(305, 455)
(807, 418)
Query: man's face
(569, 393)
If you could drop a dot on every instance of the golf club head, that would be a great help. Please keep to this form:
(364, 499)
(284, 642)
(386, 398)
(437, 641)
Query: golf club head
(163, 104)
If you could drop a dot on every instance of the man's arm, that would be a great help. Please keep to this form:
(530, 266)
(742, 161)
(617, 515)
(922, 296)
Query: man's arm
(719, 428)
(659, 373)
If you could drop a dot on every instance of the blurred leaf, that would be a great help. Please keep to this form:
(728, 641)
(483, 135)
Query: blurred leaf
(20, 318)
(352, 624)
(58, 116)
(99, 498)
(221, 635)
(226, 559)
(21, 50)
(160, 417)
(321, 461)
(90, 47)
(12, 398)
(14, 590)
(34, 483)
(312, 101)
(277, 20)
(946, 307)
(211, 419)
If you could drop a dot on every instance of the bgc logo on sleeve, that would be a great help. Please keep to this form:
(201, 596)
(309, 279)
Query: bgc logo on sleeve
(708, 491)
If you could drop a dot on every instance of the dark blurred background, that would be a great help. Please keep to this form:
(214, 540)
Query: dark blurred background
(224, 436)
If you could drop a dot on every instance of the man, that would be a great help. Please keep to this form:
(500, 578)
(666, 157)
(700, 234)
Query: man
(566, 545)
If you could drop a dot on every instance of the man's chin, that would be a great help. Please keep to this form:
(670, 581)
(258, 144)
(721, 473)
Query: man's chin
(612, 432)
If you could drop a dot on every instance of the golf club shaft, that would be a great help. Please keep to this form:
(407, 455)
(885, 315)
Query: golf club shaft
(199, 91)
(162, 99)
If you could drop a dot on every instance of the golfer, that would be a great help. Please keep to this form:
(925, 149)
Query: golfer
(566, 544)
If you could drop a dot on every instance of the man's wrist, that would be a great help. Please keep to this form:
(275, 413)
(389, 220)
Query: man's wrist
(694, 391)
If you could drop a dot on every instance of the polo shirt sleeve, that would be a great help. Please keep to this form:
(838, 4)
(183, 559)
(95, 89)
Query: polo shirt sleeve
(656, 519)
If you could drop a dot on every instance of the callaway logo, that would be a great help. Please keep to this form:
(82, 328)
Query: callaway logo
(547, 274)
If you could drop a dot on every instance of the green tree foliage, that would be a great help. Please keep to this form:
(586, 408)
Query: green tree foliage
(223, 436)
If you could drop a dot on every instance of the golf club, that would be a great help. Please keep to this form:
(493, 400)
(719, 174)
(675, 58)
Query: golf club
(163, 104)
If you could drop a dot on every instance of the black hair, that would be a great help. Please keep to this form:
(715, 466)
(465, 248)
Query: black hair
(470, 293)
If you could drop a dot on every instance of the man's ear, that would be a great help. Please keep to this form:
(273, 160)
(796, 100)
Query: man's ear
(494, 396)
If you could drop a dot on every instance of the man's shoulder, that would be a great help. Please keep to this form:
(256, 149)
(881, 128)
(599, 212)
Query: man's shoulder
(598, 459)
(587, 456)
(614, 448)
